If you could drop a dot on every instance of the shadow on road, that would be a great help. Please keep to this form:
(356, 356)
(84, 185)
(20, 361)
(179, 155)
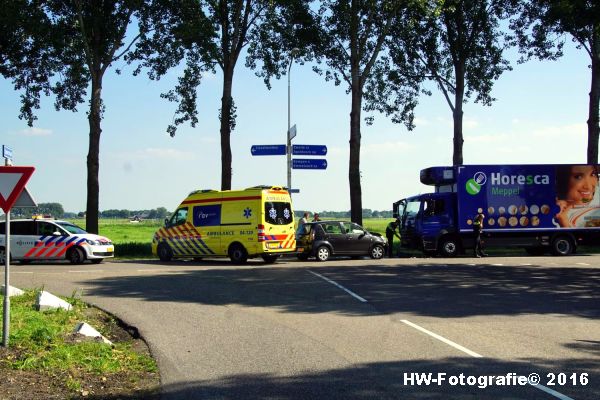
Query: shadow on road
(429, 290)
(386, 380)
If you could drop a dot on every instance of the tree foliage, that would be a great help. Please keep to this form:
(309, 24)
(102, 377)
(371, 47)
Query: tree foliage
(541, 31)
(206, 34)
(458, 45)
(353, 42)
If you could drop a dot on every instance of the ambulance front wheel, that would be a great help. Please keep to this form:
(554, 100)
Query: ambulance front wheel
(164, 252)
(238, 253)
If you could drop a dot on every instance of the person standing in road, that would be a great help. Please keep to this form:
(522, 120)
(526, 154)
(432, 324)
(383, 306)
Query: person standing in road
(390, 232)
(477, 230)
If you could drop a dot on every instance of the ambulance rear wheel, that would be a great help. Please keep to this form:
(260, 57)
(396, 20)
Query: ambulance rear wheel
(238, 254)
(76, 256)
(164, 252)
(269, 258)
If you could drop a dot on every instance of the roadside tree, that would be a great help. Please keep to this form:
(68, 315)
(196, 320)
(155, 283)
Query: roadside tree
(206, 34)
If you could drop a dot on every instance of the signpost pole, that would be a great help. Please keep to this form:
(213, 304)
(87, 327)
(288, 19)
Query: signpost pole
(6, 317)
(289, 138)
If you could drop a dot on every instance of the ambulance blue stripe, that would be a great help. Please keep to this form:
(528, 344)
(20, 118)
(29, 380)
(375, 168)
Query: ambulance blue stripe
(196, 246)
(185, 245)
(182, 246)
(177, 249)
(206, 246)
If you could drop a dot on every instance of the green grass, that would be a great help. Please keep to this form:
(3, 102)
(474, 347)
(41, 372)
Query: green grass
(42, 341)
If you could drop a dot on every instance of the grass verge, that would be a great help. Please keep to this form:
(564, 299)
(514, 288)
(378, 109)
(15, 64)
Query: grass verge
(45, 359)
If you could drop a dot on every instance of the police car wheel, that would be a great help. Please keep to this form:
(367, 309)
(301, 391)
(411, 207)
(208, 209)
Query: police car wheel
(377, 252)
(3, 256)
(323, 253)
(76, 256)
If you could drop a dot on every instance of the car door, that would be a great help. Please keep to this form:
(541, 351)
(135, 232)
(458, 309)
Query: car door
(357, 240)
(334, 234)
(22, 238)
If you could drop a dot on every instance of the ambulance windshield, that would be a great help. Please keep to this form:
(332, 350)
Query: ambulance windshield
(278, 213)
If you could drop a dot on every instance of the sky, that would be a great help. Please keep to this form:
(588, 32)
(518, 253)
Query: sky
(539, 117)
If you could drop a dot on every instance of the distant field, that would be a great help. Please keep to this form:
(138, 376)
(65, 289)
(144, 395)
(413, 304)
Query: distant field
(123, 231)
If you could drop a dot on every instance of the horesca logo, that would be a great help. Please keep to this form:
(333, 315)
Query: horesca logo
(499, 179)
(473, 185)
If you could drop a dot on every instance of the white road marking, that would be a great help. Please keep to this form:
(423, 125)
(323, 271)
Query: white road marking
(21, 272)
(88, 270)
(476, 355)
(351, 293)
(442, 339)
(586, 264)
(497, 265)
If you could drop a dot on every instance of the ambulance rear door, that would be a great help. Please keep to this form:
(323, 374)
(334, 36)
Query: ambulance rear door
(278, 219)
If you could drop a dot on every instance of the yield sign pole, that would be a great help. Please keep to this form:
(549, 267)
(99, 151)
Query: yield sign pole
(12, 183)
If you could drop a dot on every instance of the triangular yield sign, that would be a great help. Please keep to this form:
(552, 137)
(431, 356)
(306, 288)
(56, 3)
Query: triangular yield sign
(12, 183)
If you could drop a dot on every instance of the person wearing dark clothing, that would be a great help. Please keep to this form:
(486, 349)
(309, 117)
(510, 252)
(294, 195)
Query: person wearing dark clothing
(477, 230)
(390, 231)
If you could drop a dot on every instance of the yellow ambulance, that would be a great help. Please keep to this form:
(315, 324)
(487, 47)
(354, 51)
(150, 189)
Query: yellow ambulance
(238, 224)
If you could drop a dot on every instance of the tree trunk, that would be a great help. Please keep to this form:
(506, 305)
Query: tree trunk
(93, 163)
(354, 167)
(457, 116)
(226, 105)
(593, 120)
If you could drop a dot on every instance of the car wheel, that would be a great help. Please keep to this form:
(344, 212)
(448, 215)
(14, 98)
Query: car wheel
(76, 256)
(377, 252)
(323, 253)
(270, 259)
(238, 254)
(449, 247)
(164, 252)
(3, 256)
(562, 246)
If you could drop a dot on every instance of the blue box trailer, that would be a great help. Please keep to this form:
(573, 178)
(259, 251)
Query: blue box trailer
(541, 208)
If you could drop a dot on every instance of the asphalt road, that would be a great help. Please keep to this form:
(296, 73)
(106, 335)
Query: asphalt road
(359, 329)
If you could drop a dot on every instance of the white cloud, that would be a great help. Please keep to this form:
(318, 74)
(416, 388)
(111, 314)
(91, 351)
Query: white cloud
(386, 148)
(35, 132)
(570, 131)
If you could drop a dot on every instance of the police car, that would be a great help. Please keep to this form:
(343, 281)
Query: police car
(39, 239)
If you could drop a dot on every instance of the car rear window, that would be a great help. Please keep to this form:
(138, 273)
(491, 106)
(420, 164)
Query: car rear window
(278, 213)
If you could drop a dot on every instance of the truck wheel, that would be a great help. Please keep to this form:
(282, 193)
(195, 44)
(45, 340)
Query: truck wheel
(449, 247)
(562, 246)
(76, 256)
(164, 252)
(238, 254)
(377, 252)
(323, 253)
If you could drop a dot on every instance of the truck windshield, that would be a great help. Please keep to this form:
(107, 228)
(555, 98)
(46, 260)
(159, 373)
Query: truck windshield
(412, 208)
(278, 213)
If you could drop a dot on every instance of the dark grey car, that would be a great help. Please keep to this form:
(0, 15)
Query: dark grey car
(323, 239)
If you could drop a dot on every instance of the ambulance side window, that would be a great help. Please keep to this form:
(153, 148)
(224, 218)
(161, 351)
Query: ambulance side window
(179, 217)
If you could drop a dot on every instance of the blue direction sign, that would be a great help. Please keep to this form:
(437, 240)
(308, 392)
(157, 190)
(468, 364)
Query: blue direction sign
(309, 150)
(309, 163)
(268, 150)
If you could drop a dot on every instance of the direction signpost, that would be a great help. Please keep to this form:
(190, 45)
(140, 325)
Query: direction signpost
(309, 150)
(12, 183)
(309, 163)
(268, 150)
